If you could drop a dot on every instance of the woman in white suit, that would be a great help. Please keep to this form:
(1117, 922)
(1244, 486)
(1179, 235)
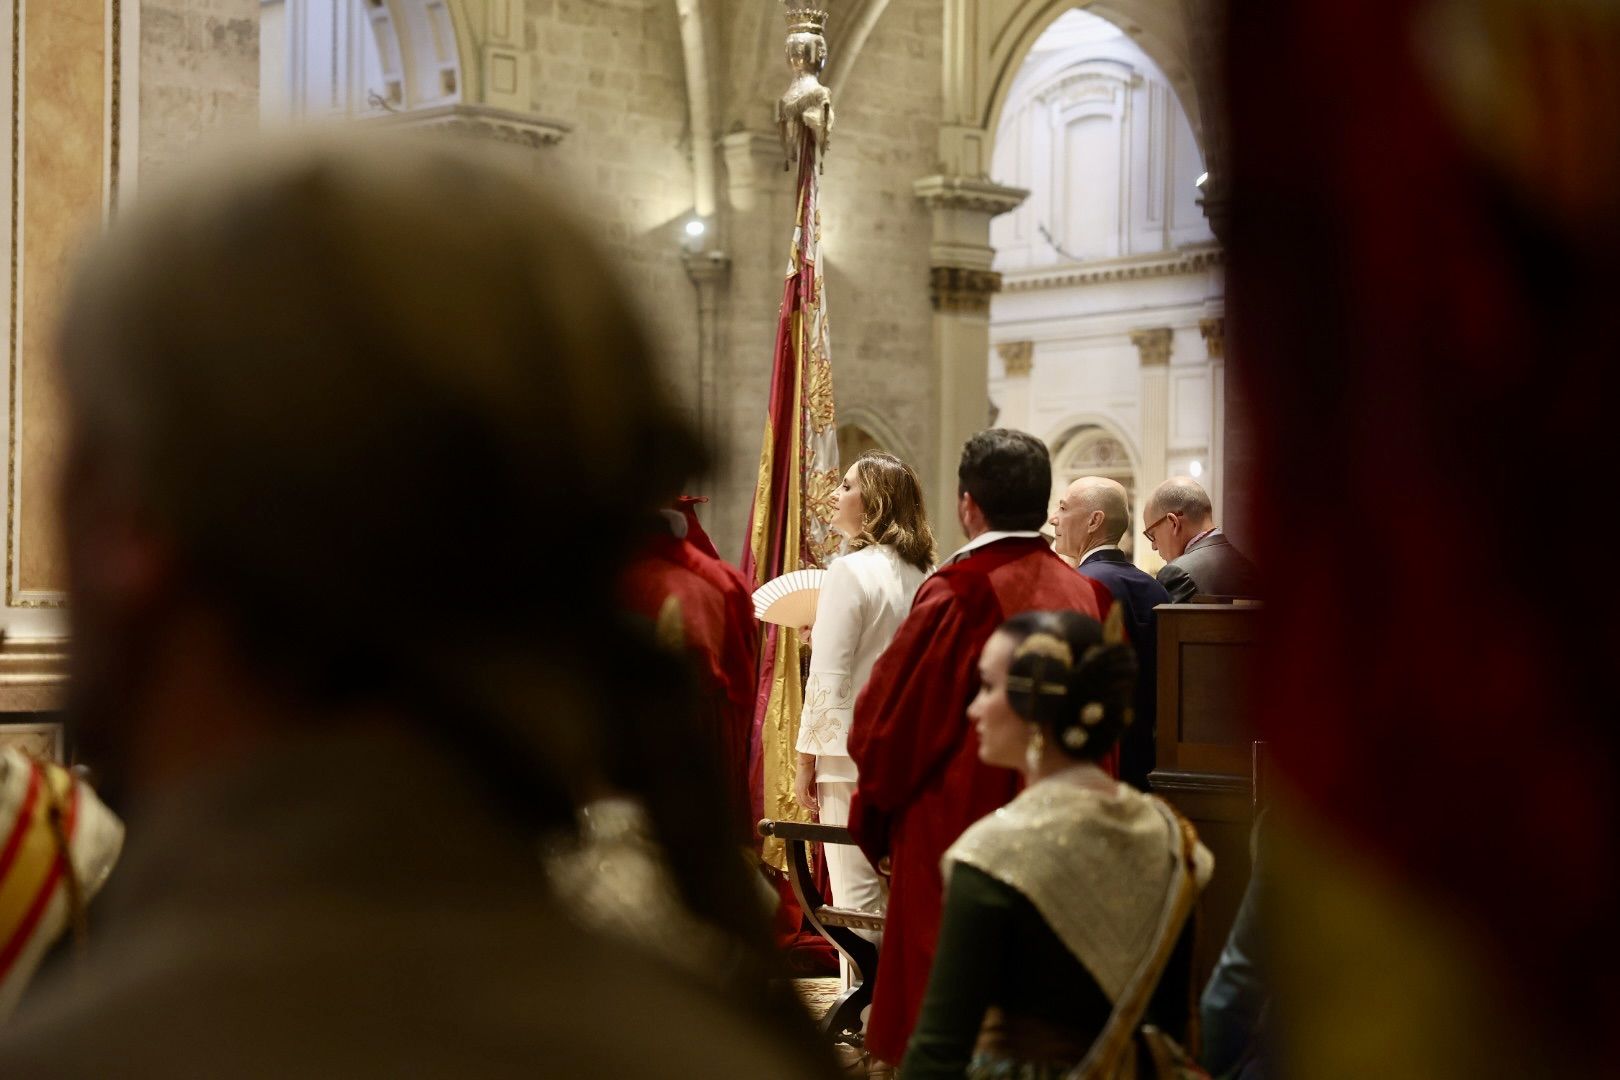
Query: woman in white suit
(865, 596)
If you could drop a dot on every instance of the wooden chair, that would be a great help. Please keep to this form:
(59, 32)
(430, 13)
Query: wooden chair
(842, 1020)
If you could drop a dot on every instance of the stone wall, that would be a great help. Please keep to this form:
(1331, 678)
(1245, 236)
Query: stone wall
(199, 74)
(875, 237)
(877, 231)
(612, 69)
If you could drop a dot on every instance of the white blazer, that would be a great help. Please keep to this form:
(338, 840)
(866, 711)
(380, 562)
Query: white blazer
(865, 597)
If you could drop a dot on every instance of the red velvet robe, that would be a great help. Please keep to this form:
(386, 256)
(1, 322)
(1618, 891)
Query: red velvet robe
(921, 780)
(717, 621)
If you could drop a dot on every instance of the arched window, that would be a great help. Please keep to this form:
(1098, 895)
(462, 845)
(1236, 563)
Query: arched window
(1092, 451)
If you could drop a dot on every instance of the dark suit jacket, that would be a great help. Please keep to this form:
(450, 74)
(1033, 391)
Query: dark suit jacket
(1210, 567)
(1139, 594)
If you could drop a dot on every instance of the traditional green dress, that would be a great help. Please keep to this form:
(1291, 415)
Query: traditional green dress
(1052, 904)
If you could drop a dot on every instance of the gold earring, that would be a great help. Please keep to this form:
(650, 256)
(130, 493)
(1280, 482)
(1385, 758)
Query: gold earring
(1035, 750)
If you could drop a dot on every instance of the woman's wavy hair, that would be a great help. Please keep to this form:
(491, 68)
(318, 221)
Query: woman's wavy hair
(892, 509)
(1073, 676)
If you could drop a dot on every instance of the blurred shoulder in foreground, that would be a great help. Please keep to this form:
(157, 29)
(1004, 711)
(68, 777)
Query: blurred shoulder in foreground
(335, 416)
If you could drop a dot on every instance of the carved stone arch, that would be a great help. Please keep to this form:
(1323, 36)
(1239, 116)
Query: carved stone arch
(419, 45)
(468, 52)
(855, 22)
(757, 71)
(1111, 455)
(460, 64)
(1063, 435)
(883, 433)
(1156, 27)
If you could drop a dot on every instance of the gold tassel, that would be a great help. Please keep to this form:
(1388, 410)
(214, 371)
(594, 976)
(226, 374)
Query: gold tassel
(1113, 629)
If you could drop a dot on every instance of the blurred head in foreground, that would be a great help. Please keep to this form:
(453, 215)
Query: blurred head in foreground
(326, 409)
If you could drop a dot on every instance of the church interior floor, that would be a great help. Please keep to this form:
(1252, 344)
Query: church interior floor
(817, 995)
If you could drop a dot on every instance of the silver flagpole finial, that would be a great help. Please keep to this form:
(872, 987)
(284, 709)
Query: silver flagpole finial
(807, 105)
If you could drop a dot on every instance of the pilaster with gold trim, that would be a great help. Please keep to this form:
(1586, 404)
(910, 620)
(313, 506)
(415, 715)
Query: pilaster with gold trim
(1153, 350)
(1017, 365)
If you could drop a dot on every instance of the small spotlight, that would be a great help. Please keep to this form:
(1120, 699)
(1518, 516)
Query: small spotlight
(695, 228)
(1203, 178)
(1196, 469)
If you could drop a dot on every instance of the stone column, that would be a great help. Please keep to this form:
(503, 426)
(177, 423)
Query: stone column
(1153, 349)
(960, 286)
(755, 225)
(708, 271)
(1214, 331)
(1018, 361)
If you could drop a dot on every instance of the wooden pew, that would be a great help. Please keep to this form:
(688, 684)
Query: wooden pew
(1204, 761)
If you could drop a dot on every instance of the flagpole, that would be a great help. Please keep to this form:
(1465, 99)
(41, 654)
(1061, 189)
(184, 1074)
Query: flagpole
(789, 525)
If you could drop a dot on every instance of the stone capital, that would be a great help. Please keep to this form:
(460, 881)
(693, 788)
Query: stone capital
(1214, 331)
(706, 268)
(962, 290)
(1153, 346)
(965, 193)
(1017, 357)
(754, 164)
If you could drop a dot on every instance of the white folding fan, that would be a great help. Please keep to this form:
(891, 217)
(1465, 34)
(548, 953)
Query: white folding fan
(789, 600)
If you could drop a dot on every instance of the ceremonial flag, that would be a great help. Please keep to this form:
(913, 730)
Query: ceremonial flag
(58, 843)
(788, 528)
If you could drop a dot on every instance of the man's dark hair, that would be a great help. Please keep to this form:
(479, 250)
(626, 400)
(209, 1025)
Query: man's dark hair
(1009, 474)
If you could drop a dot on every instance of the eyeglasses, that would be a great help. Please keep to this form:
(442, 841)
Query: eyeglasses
(1148, 532)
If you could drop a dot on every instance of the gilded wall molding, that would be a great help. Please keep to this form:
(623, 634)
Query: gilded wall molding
(962, 290)
(1214, 331)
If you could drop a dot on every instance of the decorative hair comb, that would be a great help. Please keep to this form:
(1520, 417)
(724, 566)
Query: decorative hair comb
(1051, 647)
(1048, 645)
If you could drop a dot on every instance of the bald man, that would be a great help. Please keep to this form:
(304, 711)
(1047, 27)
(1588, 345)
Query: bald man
(1089, 523)
(1179, 522)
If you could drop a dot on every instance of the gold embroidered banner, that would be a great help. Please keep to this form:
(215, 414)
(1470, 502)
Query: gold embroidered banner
(789, 528)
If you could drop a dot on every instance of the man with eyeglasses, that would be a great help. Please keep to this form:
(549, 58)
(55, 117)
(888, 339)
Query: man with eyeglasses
(1179, 522)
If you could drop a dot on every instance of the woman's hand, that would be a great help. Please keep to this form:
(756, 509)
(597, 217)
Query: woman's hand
(804, 636)
(804, 783)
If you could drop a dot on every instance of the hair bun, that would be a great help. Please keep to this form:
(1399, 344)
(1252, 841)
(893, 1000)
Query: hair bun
(1073, 676)
(1105, 673)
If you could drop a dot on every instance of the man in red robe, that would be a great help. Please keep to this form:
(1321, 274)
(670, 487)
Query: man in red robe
(678, 581)
(921, 781)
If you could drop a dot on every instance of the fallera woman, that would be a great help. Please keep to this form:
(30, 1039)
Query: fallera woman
(1065, 923)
